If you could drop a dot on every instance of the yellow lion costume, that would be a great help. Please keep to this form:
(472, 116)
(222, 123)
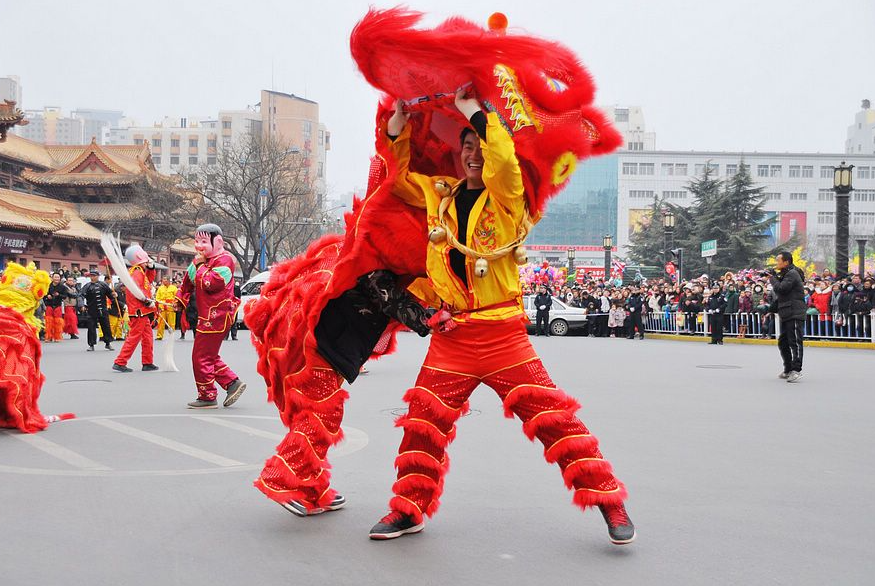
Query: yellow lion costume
(21, 381)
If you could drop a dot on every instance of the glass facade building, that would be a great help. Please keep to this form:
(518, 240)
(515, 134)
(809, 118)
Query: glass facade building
(583, 212)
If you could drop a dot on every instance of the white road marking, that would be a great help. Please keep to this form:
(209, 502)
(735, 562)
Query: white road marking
(355, 440)
(240, 427)
(60, 452)
(168, 443)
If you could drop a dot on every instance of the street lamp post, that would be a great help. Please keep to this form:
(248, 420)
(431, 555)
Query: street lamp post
(607, 244)
(570, 261)
(842, 185)
(262, 256)
(861, 251)
(668, 239)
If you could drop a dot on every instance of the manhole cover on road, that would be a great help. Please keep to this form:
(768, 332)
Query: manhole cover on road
(85, 380)
(718, 366)
(403, 411)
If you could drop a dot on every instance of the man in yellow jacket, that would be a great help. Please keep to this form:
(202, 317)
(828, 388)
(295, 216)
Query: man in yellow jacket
(475, 224)
(166, 294)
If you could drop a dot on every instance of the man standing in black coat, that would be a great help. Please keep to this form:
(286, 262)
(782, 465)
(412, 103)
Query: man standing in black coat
(790, 305)
(635, 307)
(543, 303)
(96, 294)
(716, 309)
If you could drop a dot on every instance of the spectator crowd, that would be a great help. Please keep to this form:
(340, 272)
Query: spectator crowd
(743, 302)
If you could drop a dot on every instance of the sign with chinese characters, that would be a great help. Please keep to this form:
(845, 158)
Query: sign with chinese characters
(709, 248)
(11, 243)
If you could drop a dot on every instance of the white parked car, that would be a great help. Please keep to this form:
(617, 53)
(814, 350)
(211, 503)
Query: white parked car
(251, 289)
(563, 317)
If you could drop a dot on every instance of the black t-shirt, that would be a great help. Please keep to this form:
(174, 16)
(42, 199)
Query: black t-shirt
(465, 200)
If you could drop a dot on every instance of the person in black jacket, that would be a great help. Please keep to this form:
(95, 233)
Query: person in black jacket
(54, 301)
(543, 303)
(635, 306)
(96, 294)
(790, 307)
(716, 309)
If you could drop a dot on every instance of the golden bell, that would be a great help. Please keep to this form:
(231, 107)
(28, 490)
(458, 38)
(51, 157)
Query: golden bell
(437, 235)
(481, 267)
(521, 255)
(442, 188)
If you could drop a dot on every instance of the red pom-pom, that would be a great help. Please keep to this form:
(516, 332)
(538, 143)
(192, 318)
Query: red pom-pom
(497, 22)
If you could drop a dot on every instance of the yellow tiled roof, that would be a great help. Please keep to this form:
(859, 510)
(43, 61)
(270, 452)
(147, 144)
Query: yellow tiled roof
(26, 151)
(121, 159)
(33, 212)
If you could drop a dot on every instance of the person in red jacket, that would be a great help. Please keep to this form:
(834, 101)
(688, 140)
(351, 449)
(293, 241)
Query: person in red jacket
(820, 300)
(141, 312)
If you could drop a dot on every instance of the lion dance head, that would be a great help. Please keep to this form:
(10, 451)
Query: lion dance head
(541, 93)
(21, 289)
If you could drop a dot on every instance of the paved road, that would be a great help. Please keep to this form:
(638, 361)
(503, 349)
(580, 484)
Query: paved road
(735, 477)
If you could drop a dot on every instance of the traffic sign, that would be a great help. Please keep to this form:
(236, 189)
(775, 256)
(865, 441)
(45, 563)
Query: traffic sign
(709, 248)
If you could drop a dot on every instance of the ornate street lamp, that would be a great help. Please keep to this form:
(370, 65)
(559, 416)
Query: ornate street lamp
(607, 244)
(570, 261)
(842, 185)
(668, 238)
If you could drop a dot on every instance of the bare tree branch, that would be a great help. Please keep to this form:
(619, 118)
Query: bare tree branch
(260, 188)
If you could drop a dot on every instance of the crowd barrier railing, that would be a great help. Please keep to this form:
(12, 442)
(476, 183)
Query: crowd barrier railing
(854, 327)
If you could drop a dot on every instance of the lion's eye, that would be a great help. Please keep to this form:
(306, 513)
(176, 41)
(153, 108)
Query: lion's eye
(554, 84)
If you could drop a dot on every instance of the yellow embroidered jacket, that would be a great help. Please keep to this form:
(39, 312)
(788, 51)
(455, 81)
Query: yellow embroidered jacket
(493, 223)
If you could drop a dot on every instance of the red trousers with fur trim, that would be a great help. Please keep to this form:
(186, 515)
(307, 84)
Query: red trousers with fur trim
(300, 471)
(54, 323)
(500, 355)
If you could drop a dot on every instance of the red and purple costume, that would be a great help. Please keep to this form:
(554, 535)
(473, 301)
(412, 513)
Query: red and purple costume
(212, 283)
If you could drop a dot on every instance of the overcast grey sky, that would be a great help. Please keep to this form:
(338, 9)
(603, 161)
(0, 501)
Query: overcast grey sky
(767, 75)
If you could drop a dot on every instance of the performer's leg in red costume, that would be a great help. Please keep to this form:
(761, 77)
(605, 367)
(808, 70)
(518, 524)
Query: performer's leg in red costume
(547, 414)
(313, 412)
(54, 323)
(440, 398)
(435, 404)
(208, 367)
(141, 332)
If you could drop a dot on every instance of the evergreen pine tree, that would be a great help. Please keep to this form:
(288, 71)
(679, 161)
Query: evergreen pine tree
(646, 245)
(706, 221)
(745, 222)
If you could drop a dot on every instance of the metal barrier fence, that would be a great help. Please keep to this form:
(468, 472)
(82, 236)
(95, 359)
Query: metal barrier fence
(824, 326)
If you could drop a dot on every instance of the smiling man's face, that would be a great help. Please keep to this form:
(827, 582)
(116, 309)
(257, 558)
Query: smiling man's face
(472, 160)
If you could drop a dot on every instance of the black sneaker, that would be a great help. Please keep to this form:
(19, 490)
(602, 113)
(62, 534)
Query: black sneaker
(149, 367)
(298, 508)
(74, 337)
(620, 527)
(108, 347)
(393, 525)
(201, 404)
(120, 368)
(235, 389)
(91, 349)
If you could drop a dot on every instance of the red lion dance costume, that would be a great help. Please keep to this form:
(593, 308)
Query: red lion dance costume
(20, 352)
(539, 114)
